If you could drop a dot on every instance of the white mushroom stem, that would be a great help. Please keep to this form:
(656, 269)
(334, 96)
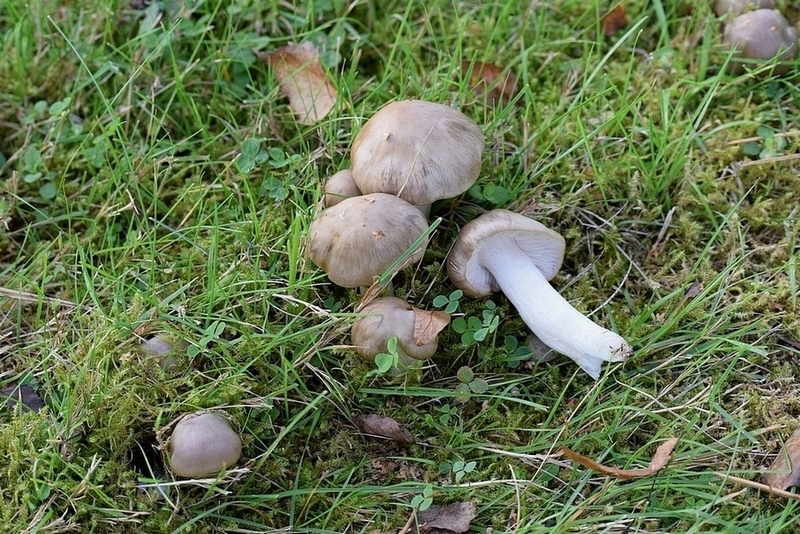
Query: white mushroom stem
(554, 321)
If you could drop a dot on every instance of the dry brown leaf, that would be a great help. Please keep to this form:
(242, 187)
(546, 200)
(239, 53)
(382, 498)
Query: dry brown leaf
(490, 80)
(660, 459)
(299, 71)
(428, 324)
(453, 518)
(614, 21)
(384, 427)
(785, 470)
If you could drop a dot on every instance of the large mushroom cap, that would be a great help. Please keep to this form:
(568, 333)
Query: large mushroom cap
(359, 238)
(544, 247)
(419, 151)
(762, 34)
(416, 330)
(202, 445)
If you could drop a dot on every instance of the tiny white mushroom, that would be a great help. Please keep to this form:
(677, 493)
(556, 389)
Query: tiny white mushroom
(504, 251)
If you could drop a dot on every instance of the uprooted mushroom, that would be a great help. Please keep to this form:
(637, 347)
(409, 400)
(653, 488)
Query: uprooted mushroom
(504, 251)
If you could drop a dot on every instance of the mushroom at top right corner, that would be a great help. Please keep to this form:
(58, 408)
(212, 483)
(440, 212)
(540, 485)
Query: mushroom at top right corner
(761, 36)
(505, 251)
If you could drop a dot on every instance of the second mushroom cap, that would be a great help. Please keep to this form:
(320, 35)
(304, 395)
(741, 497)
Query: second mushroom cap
(359, 238)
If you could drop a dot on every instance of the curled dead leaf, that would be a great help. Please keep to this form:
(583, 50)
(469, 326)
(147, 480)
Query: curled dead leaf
(497, 84)
(428, 324)
(299, 71)
(382, 426)
(785, 470)
(661, 458)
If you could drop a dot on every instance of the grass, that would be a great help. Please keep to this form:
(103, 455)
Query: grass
(124, 214)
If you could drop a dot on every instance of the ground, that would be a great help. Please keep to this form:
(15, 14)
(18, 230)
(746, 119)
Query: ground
(156, 181)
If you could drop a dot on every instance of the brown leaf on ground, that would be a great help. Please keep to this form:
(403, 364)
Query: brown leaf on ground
(428, 324)
(25, 395)
(299, 71)
(662, 456)
(497, 85)
(614, 21)
(384, 427)
(453, 518)
(785, 470)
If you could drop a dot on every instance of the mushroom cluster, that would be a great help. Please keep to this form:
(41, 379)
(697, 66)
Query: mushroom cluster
(757, 34)
(410, 154)
(407, 156)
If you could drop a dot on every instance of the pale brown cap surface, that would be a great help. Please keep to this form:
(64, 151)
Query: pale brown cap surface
(359, 238)
(762, 34)
(338, 187)
(203, 445)
(416, 330)
(417, 150)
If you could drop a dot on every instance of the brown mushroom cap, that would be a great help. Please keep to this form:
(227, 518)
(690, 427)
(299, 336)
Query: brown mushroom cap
(544, 246)
(419, 151)
(203, 445)
(416, 330)
(762, 34)
(359, 238)
(339, 187)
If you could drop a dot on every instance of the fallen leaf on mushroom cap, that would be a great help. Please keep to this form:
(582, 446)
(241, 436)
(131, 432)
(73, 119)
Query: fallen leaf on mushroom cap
(30, 401)
(453, 518)
(428, 324)
(299, 71)
(661, 458)
(381, 426)
(498, 85)
(614, 21)
(785, 470)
